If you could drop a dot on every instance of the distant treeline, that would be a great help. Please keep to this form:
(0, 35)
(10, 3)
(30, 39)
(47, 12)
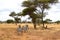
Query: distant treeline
(37, 22)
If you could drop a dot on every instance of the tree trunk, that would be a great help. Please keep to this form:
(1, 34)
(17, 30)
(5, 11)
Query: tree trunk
(16, 23)
(34, 22)
(34, 25)
(42, 16)
(42, 21)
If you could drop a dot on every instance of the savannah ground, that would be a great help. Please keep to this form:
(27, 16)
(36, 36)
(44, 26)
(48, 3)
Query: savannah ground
(9, 32)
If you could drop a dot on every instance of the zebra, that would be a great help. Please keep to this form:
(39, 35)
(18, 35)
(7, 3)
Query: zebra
(19, 30)
(25, 28)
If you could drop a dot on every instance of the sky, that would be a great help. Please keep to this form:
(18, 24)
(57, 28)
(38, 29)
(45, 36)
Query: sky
(8, 6)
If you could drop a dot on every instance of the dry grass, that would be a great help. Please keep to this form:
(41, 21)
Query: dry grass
(8, 32)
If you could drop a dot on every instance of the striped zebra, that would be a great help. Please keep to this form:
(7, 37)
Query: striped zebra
(19, 30)
(25, 28)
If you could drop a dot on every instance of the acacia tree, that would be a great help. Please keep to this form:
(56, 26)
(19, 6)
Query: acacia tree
(42, 4)
(31, 11)
(15, 16)
(47, 21)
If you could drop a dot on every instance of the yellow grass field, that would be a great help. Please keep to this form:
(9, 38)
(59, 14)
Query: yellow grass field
(9, 32)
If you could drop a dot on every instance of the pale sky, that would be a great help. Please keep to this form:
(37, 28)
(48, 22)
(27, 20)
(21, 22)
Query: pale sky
(7, 6)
